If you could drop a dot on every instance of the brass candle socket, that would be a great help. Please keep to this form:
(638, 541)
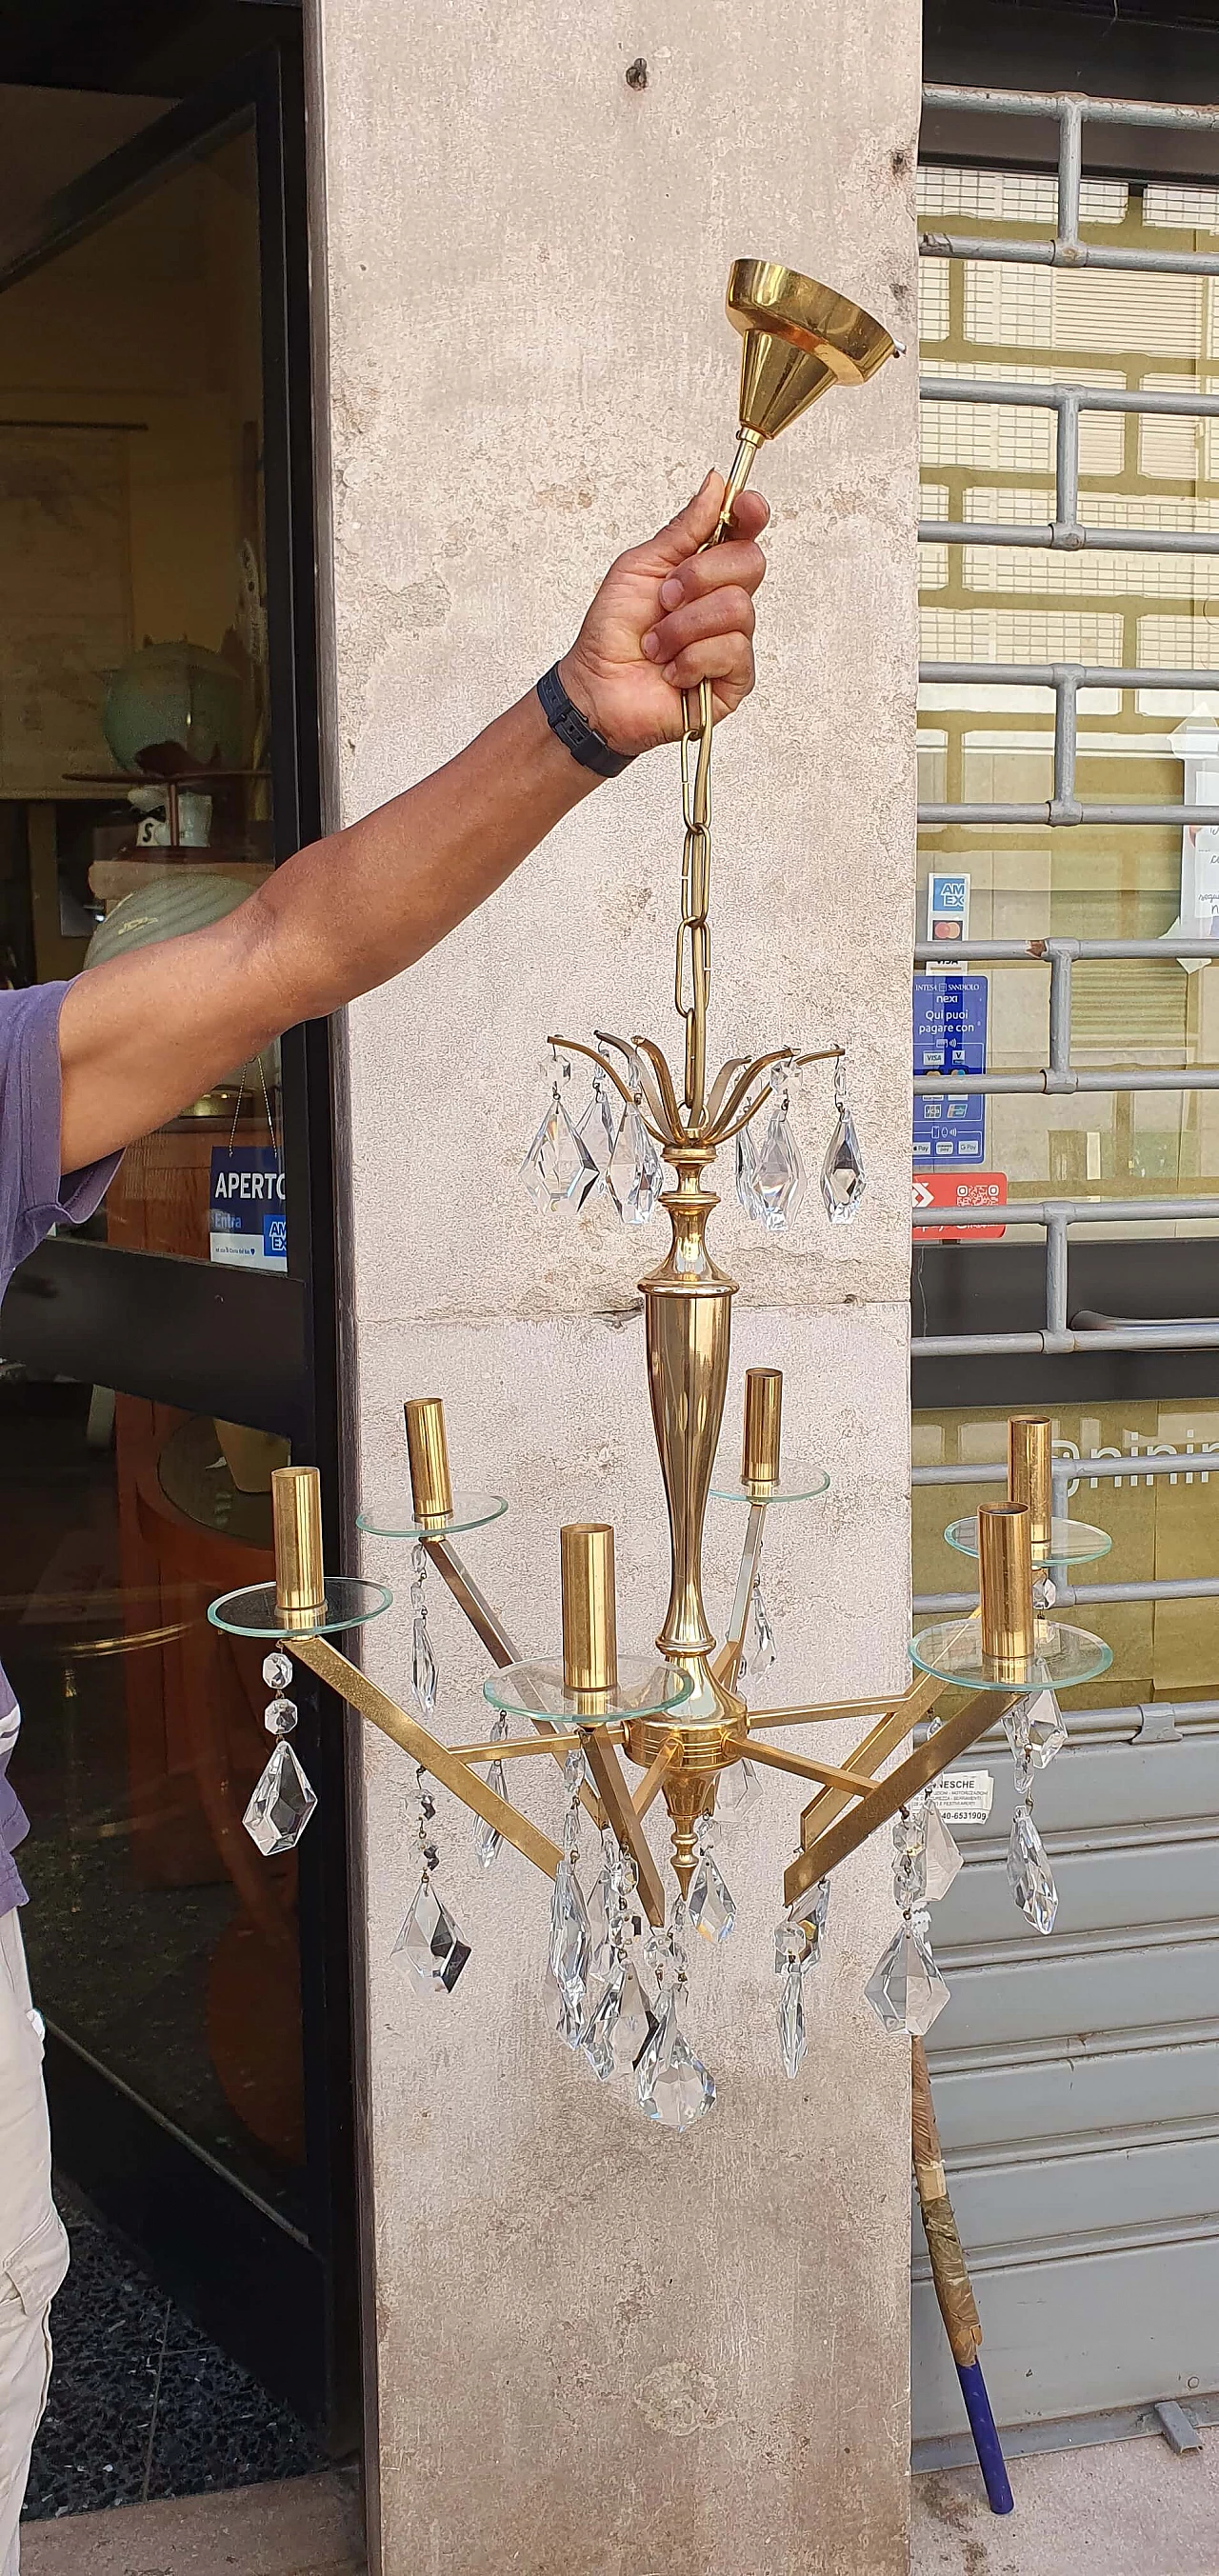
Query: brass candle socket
(763, 1422)
(296, 1515)
(1005, 1582)
(1029, 1474)
(590, 1614)
(427, 1450)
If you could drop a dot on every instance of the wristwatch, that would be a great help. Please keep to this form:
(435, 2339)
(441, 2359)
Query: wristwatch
(581, 739)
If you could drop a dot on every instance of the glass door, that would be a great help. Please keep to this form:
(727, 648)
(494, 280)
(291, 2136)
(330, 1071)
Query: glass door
(156, 676)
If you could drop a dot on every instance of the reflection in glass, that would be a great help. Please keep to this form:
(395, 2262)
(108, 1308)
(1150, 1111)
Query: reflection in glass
(135, 796)
(159, 1941)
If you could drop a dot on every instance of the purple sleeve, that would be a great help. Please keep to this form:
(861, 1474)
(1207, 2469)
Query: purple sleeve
(33, 1196)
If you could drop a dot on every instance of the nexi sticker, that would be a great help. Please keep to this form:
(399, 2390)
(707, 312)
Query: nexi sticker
(247, 1218)
(964, 1797)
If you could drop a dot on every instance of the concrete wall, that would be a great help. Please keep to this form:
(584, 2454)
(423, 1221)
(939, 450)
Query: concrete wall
(599, 2347)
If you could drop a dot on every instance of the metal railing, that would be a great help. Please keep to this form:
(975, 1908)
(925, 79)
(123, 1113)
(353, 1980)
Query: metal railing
(1071, 114)
(1066, 679)
(1065, 532)
(1059, 1075)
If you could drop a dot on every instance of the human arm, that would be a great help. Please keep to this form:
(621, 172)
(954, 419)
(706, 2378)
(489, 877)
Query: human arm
(142, 1035)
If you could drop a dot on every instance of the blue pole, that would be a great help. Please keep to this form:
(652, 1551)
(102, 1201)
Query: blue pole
(986, 2440)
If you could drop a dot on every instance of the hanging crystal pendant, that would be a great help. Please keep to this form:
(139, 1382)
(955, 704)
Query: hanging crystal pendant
(764, 1651)
(598, 1132)
(621, 2025)
(942, 1860)
(430, 1943)
(799, 1942)
(778, 1178)
(425, 1678)
(747, 1174)
(1035, 1726)
(570, 1954)
(792, 1949)
(636, 1176)
(277, 1669)
(842, 1174)
(1029, 1874)
(488, 1840)
(710, 1906)
(281, 1805)
(674, 2087)
(279, 1717)
(558, 1165)
(905, 1988)
(736, 1792)
(606, 1907)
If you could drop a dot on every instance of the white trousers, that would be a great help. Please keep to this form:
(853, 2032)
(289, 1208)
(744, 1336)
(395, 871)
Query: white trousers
(33, 2245)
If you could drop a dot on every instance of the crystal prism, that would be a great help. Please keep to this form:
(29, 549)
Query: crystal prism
(571, 1941)
(746, 1174)
(424, 1676)
(842, 1174)
(778, 1178)
(282, 1804)
(764, 1650)
(941, 1858)
(431, 1944)
(277, 1669)
(736, 1792)
(488, 1839)
(598, 1132)
(710, 1906)
(1029, 1875)
(673, 2086)
(620, 2027)
(558, 1165)
(1035, 1727)
(793, 2038)
(280, 1716)
(905, 1989)
(635, 1177)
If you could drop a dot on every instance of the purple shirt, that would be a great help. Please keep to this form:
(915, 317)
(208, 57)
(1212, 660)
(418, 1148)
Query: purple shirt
(33, 1198)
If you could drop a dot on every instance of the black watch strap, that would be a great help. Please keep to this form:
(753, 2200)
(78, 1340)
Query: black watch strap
(579, 738)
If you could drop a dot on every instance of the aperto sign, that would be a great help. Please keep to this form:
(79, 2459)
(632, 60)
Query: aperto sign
(247, 1215)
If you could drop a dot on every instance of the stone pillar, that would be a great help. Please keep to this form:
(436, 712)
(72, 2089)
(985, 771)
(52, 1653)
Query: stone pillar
(598, 2346)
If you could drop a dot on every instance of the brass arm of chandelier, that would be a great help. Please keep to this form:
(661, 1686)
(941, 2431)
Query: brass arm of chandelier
(490, 1631)
(437, 1759)
(654, 1779)
(718, 1125)
(857, 1784)
(722, 1133)
(820, 1712)
(513, 1748)
(889, 1795)
(575, 1046)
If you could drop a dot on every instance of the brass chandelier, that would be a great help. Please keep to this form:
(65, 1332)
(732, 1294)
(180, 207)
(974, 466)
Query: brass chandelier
(674, 1724)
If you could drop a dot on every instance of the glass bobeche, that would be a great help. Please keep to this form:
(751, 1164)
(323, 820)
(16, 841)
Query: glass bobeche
(1070, 1542)
(646, 1687)
(798, 1483)
(398, 1520)
(951, 1650)
(253, 1612)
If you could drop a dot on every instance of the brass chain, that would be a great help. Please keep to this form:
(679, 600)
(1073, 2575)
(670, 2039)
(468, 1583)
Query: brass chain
(692, 977)
(694, 935)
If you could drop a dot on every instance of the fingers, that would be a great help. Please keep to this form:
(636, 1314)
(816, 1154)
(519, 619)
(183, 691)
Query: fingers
(721, 612)
(692, 526)
(727, 659)
(738, 564)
